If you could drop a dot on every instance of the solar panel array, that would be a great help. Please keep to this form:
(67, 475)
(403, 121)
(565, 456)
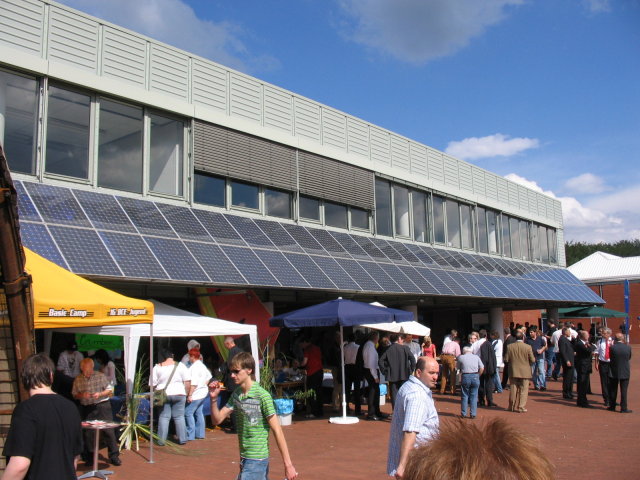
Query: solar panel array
(112, 236)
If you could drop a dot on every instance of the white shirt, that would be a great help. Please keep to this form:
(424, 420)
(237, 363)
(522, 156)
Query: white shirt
(555, 338)
(370, 358)
(160, 377)
(69, 363)
(574, 334)
(475, 347)
(200, 376)
(447, 339)
(350, 353)
(602, 348)
(497, 347)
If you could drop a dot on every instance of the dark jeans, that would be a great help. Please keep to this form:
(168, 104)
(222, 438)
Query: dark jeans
(486, 389)
(314, 382)
(603, 369)
(583, 385)
(613, 391)
(373, 399)
(99, 411)
(353, 381)
(567, 380)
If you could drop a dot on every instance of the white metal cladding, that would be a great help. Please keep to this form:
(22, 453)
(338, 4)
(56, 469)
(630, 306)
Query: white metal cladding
(334, 128)
(21, 24)
(277, 109)
(73, 39)
(123, 56)
(479, 183)
(307, 119)
(76, 39)
(562, 257)
(246, 98)
(523, 197)
(209, 85)
(466, 179)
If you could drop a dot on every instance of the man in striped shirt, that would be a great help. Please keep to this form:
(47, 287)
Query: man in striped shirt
(415, 419)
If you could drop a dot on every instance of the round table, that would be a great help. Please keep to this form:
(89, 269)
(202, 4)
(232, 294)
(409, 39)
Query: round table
(97, 426)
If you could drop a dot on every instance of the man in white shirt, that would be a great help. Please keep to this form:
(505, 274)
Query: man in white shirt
(351, 372)
(198, 391)
(476, 342)
(372, 376)
(603, 363)
(449, 337)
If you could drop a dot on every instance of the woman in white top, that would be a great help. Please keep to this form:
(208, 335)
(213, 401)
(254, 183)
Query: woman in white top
(176, 392)
(200, 376)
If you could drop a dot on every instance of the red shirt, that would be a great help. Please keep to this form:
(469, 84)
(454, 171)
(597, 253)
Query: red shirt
(314, 359)
(429, 351)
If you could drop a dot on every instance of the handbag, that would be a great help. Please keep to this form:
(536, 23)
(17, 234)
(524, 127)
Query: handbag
(160, 396)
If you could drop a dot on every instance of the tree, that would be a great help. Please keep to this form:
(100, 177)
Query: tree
(576, 251)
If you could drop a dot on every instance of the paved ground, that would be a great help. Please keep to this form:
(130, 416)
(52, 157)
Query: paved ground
(583, 444)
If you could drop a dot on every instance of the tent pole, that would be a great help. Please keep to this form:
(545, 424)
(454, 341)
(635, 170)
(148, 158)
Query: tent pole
(151, 395)
(344, 396)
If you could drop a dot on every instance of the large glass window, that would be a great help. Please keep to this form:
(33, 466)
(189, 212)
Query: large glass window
(506, 236)
(419, 204)
(309, 208)
(483, 245)
(438, 219)
(120, 146)
(19, 95)
(383, 208)
(453, 223)
(535, 243)
(244, 195)
(466, 227)
(401, 211)
(277, 203)
(209, 190)
(166, 156)
(544, 246)
(359, 218)
(335, 215)
(524, 239)
(492, 231)
(553, 245)
(68, 127)
(514, 226)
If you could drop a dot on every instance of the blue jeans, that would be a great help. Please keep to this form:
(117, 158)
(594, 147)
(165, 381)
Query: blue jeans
(551, 358)
(496, 381)
(195, 419)
(469, 386)
(537, 373)
(174, 408)
(251, 469)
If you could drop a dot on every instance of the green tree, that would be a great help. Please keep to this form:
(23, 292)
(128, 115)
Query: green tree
(576, 251)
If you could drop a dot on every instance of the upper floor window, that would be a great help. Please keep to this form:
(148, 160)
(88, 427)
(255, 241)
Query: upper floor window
(383, 208)
(244, 195)
(359, 218)
(453, 223)
(309, 208)
(277, 203)
(166, 155)
(466, 226)
(401, 211)
(209, 190)
(439, 234)
(420, 211)
(335, 215)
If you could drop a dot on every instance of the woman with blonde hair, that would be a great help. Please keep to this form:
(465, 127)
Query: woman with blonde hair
(428, 347)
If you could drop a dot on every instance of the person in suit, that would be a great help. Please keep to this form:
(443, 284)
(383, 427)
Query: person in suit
(488, 357)
(397, 364)
(520, 358)
(567, 359)
(619, 373)
(583, 363)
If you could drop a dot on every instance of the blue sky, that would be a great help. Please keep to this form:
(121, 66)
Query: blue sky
(544, 92)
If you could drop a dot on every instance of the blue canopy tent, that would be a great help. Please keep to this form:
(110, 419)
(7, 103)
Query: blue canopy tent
(345, 313)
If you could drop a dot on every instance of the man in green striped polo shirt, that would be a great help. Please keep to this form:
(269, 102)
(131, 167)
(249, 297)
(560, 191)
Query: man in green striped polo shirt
(255, 416)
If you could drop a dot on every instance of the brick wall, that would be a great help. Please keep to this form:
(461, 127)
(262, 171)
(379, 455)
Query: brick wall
(614, 296)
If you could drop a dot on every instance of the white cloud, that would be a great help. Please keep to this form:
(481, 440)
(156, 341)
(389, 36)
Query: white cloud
(586, 183)
(497, 145)
(175, 23)
(597, 6)
(417, 31)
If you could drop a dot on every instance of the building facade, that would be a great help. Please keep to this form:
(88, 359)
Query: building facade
(155, 171)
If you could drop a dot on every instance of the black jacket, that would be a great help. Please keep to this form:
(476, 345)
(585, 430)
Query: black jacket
(583, 356)
(397, 363)
(620, 355)
(488, 357)
(566, 351)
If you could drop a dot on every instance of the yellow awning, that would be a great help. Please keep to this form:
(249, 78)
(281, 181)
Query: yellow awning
(63, 299)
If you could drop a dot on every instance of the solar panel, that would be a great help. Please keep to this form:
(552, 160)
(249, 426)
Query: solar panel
(176, 259)
(84, 251)
(431, 276)
(57, 205)
(402, 249)
(464, 263)
(336, 273)
(146, 217)
(184, 222)
(36, 237)
(419, 279)
(380, 276)
(400, 278)
(252, 269)
(368, 246)
(278, 235)
(388, 250)
(350, 245)
(104, 211)
(215, 263)
(463, 280)
(359, 274)
(219, 228)
(304, 238)
(310, 271)
(132, 255)
(249, 231)
(282, 269)
(328, 242)
(480, 284)
(451, 283)
(26, 208)
(421, 254)
(435, 256)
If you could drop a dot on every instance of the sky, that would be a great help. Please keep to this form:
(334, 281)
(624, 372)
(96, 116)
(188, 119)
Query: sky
(543, 92)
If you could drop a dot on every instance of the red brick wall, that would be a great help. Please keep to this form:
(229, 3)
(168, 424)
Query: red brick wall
(522, 317)
(613, 294)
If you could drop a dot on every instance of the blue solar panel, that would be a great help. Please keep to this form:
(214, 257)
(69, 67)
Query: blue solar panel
(400, 278)
(350, 245)
(282, 269)
(430, 275)
(479, 282)
(505, 289)
(215, 263)
(463, 280)
(368, 246)
(329, 243)
(451, 283)
(84, 251)
(419, 252)
(219, 228)
(360, 275)
(419, 279)
(310, 271)
(464, 263)
(304, 238)
(133, 256)
(176, 259)
(380, 276)
(388, 250)
(336, 273)
(184, 222)
(252, 269)
(402, 249)
(249, 231)
(57, 205)
(146, 217)
(278, 235)
(435, 256)
(26, 208)
(104, 211)
(36, 237)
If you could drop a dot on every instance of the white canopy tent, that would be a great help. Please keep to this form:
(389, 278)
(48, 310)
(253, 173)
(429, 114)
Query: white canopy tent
(413, 328)
(168, 321)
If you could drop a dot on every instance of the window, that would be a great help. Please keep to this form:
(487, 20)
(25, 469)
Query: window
(506, 236)
(277, 203)
(335, 215)
(483, 244)
(359, 218)
(514, 227)
(419, 204)
(20, 98)
(535, 243)
(209, 190)
(453, 224)
(438, 219)
(524, 239)
(166, 155)
(309, 208)
(120, 146)
(466, 228)
(244, 195)
(383, 208)
(553, 245)
(68, 127)
(401, 211)
(544, 246)
(492, 231)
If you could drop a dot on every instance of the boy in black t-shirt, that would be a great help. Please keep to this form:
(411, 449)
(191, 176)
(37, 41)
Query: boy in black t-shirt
(45, 435)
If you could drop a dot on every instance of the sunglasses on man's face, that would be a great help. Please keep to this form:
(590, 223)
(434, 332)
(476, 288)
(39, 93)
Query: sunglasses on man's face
(235, 372)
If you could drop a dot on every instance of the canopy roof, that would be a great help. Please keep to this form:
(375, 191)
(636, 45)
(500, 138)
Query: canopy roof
(589, 312)
(412, 328)
(64, 299)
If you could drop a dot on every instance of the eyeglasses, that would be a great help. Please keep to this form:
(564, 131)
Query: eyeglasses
(235, 372)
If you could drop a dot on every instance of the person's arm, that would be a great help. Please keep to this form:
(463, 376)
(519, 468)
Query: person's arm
(17, 468)
(289, 469)
(408, 442)
(217, 415)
